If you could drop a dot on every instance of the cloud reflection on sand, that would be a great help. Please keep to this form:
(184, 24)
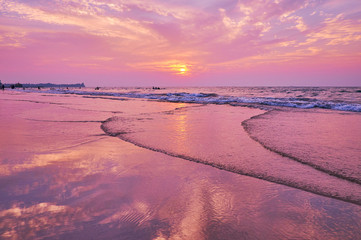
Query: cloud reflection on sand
(26, 222)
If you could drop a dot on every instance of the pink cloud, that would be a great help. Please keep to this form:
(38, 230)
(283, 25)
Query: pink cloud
(142, 37)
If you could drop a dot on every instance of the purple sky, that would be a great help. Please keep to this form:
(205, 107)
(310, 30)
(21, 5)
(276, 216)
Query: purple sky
(181, 43)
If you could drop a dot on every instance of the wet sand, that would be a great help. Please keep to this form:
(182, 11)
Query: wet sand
(62, 177)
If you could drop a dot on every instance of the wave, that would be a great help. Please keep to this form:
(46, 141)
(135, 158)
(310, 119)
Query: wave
(297, 144)
(213, 98)
(227, 154)
(229, 168)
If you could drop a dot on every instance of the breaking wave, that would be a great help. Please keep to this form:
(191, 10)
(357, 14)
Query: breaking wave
(213, 98)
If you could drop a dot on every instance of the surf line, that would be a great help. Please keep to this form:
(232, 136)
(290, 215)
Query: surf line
(232, 169)
(246, 127)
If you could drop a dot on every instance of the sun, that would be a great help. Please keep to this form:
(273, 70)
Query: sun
(180, 69)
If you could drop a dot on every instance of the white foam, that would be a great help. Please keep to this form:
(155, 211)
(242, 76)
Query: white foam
(212, 98)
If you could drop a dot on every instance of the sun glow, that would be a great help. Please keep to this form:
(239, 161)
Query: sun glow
(179, 69)
(182, 71)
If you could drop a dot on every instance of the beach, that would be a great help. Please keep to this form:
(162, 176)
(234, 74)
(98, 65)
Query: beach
(179, 164)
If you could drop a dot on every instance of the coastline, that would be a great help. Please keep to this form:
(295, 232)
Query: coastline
(60, 170)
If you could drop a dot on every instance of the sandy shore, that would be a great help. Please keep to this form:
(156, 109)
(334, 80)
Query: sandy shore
(62, 177)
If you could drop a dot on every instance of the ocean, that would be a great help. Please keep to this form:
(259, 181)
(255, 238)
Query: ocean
(276, 153)
(335, 98)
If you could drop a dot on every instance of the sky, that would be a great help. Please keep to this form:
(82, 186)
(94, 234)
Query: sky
(181, 43)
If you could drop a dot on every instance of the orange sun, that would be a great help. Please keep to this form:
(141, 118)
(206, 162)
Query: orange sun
(179, 69)
(183, 70)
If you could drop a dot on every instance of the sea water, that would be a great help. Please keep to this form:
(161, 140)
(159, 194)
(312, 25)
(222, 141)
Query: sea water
(336, 98)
